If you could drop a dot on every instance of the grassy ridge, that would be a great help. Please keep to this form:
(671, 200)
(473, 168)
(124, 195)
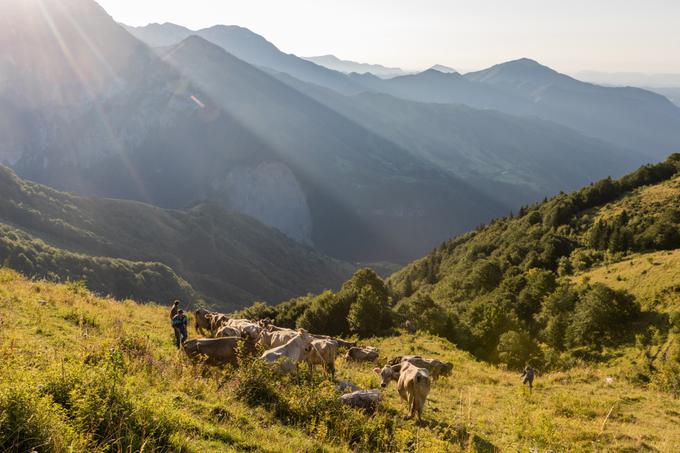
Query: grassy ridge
(82, 371)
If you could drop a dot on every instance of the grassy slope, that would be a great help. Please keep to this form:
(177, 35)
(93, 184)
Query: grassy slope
(565, 412)
(649, 276)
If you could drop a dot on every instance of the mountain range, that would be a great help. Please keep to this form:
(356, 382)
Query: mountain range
(358, 167)
(633, 118)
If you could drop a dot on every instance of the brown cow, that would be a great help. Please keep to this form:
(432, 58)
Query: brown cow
(290, 353)
(323, 352)
(202, 320)
(217, 320)
(217, 351)
(436, 367)
(413, 384)
(362, 353)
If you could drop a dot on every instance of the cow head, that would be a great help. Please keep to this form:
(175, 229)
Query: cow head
(388, 373)
(306, 338)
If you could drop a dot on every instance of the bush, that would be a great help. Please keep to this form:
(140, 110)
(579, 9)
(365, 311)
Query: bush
(514, 349)
(96, 401)
(369, 314)
(598, 316)
(314, 407)
(31, 422)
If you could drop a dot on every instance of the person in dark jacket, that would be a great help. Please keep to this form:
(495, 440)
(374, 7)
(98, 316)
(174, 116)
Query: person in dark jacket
(179, 325)
(174, 309)
(528, 376)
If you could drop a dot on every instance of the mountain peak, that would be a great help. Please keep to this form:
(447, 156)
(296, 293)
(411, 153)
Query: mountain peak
(525, 65)
(433, 73)
(444, 69)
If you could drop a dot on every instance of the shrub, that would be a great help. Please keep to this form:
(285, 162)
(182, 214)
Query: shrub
(369, 314)
(314, 407)
(31, 422)
(599, 315)
(514, 349)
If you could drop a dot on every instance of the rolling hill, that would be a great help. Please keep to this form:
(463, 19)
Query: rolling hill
(133, 250)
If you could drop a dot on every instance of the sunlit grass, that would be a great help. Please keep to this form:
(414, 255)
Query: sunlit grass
(50, 332)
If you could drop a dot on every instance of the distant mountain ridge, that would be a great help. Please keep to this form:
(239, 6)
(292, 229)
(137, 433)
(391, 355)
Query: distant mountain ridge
(346, 66)
(629, 117)
(250, 47)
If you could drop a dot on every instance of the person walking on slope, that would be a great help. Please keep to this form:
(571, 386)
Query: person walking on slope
(179, 325)
(528, 376)
(174, 309)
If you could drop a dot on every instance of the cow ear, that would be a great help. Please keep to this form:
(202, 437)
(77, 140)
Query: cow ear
(376, 370)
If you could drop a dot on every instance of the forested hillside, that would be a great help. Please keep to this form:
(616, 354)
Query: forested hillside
(133, 250)
(531, 287)
(507, 290)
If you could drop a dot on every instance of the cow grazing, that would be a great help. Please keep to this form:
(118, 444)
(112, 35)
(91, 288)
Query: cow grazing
(435, 367)
(341, 343)
(217, 351)
(323, 352)
(362, 354)
(202, 320)
(362, 399)
(270, 338)
(226, 331)
(291, 353)
(413, 384)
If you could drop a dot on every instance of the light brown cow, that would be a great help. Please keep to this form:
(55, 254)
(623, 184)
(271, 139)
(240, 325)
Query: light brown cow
(202, 320)
(436, 367)
(323, 352)
(217, 351)
(291, 353)
(341, 343)
(413, 384)
(362, 353)
(272, 338)
(217, 320)
(226, 331)
(247, 327)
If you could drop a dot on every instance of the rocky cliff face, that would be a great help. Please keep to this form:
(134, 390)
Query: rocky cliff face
(270, 193)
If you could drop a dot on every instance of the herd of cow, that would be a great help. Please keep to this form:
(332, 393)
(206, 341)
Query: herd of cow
(286, 348)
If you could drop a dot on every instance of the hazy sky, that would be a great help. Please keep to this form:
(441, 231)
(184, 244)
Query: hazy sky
(569, 35)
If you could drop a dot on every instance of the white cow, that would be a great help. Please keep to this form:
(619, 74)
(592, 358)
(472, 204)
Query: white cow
(273, 338)
(247, 327)
(291, 353)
